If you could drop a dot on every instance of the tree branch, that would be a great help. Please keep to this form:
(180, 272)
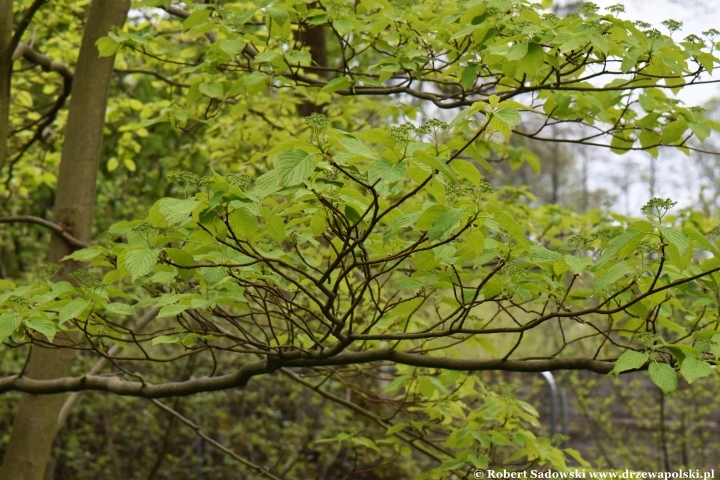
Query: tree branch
(242, 376)
(47, 224)
(261, 470)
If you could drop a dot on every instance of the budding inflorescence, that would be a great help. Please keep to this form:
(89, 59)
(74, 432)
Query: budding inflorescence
(658, 207)
(401, 134)
(46, 272)
(589, 8)
(239, 180)
(646, 247)
(580, 241)
(317, 121)
(144, 228)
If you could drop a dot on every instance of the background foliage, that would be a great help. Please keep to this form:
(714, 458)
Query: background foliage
(331, 197)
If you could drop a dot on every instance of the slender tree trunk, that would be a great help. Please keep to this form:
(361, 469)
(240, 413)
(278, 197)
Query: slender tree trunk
(34, 428)
(6, 32)
(313, 37)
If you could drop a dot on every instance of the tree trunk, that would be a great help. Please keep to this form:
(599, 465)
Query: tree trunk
(313, 37)
(6, 32)
(34, 428)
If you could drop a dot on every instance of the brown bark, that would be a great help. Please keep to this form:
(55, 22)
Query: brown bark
(6, 30)
(249, 370)
(314, 38)
(34, 428)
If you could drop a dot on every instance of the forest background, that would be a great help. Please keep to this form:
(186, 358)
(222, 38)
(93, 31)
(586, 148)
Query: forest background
(395, 215)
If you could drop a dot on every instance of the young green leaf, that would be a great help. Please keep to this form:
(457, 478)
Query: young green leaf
(294, 166)
(692, 369)
(9, 322)
(612, 274)
(510, 225)
(46, 327)
(140, 262)
(676, 237)
(72, 310)
(617, 245)
(120, 308)
(172, 310)
(630, 360)
(664, 376)
(445, 223)
(243, 224)
(165, 339)
(175, 210)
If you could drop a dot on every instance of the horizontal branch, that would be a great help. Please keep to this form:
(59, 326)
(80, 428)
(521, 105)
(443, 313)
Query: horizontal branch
(245, 373)
(46, 63)
(47, 224)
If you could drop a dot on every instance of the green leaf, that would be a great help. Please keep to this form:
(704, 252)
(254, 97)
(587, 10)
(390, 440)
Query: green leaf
(384, 170)
(46, 327)
(175, 210)
(294, 166)
(510, 225)
(295, 56)
(469, 76)
(171, 311)
(533, 59)
(664, 376)
(266, 56)
(466, 30)
(692, 369)
(577, 264)
(509, 116)
(179, 257)
(336, 84)
(266, 184)
(424, 260)
(467, 170)
(542, 254)
(396, 428)
(231, 46)
(365, 442)
(617, 245)
(353, 145)
(85, 254)
(165, 339)
(280, 15)
(701, 130)
(9, 322)
(276, 227)
(318, 223)
(611, 275)
(107, 47)
(677, 237)
(701, 239)
(578, 458)
(120, 308)
(72, 310)
(212, 90)
(140, 262)
(630, 360)
(445, 223)
(502, 127)
(196, 18)
(434, 162)
(673, 131)
(517, 51)
(243, 224)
